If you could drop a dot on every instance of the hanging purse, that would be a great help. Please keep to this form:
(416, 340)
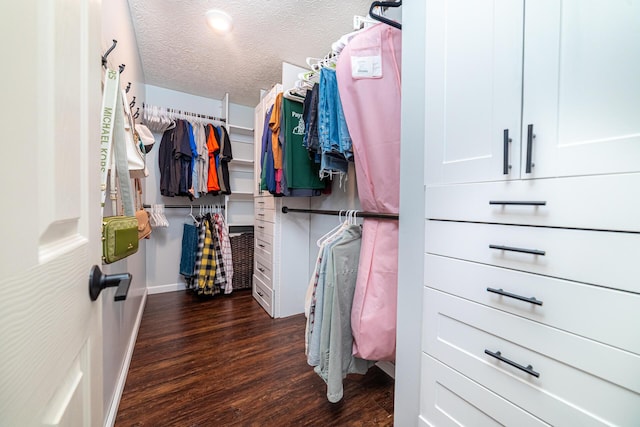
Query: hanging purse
(119, 233)
(143, 217)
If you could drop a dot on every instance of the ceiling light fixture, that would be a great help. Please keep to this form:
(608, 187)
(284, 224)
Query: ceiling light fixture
(219, 21)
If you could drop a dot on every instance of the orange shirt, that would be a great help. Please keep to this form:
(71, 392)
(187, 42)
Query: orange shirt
(213, 147)
(274, 124)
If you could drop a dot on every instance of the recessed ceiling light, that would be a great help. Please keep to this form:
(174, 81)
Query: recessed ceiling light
(219, 21)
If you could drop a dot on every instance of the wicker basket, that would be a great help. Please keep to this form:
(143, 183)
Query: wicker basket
(242, 253)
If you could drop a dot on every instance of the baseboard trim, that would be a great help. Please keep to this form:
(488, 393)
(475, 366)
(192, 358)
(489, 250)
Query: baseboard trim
(161, 289)
(388, 368)
(122, 378)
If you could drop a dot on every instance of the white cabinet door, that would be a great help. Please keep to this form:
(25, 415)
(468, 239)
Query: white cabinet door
(581, 87)
(50, 331)
(473, 90)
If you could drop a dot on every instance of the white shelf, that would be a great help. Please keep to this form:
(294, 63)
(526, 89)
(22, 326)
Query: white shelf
(242, 195)
(240, 129)
(242, 162)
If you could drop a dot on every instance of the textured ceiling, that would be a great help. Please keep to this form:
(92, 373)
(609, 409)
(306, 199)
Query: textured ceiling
(180, 52)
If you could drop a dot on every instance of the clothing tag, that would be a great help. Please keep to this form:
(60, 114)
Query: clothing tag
(366, 66)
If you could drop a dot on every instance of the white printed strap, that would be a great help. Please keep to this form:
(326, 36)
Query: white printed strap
(113, 130)
(109, 99)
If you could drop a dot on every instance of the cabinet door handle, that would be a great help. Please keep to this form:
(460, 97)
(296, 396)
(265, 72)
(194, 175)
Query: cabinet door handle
(522, 250)
(505, 160)
(528, 369)
(518, 203)
(530, 137)
(531, 300)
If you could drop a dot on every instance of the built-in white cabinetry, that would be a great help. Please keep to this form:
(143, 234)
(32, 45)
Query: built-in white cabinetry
(281, 246)
(530, 90)
(532, 231)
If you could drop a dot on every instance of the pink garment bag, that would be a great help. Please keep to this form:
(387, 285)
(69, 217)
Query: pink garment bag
(368, 73)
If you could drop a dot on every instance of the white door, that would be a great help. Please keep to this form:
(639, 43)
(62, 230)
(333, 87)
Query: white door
(50, 331)
(473, 90)
(581, 86)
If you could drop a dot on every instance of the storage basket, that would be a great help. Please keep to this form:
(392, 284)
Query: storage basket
(242, 253)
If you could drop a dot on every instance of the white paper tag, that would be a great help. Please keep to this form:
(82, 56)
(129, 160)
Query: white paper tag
(366, 66)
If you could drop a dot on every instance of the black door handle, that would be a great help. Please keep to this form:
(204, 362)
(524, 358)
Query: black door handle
(505, 154)
(99, 281)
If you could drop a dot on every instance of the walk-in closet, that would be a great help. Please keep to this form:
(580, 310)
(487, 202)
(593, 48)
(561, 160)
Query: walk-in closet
(386, 213)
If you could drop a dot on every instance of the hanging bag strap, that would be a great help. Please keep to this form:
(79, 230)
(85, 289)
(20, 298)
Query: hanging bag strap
(113, 130)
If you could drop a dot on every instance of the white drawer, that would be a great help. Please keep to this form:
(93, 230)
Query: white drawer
(581, 382)
(262, 269)
(263, 228)
(264, 214)
(601, 202)
(263, 295)
(267, 202)
(594, 312)
(266, 245)
(607, 259)
(448, 398)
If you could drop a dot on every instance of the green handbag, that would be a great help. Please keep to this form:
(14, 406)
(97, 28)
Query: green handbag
(119, 233)
(119, 237)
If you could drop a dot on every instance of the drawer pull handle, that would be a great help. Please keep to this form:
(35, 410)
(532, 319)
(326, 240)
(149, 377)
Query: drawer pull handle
(262, 246)
(505, 162)
(517, 203)
(528, 369)
(260, 214)
(521, 250)
(530, 137)
(260, 226)
(261, 269)
(532, 300)
(260, 293)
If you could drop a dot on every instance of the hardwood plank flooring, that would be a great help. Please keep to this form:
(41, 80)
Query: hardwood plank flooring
(224, 362)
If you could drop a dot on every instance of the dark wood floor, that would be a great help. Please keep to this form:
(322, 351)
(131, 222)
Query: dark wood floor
(225, 362)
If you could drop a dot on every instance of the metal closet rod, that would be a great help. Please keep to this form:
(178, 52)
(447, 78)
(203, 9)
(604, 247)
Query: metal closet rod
(360, 214)
(187, 113)
(187, 206)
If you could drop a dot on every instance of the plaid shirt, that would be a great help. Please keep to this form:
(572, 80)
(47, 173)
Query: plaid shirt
(193, 282)
(207, 269)
(220, 279)
(225, 246)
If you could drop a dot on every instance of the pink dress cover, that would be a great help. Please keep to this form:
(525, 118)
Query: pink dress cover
(368, 73)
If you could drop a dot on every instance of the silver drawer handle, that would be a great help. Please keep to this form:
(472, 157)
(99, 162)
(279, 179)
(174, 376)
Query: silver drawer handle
(260, 293)
(517, 203)
(528, 369)
(261, 269)
(260, 214)
(260, 226)
(532, 300)
(521, 250)
(262, 246)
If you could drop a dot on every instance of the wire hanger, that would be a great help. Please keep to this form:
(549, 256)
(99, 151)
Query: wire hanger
(382, 18)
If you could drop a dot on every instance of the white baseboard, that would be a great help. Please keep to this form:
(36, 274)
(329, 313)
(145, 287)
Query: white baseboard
(122, 378)
(388, 368)
(160, 289)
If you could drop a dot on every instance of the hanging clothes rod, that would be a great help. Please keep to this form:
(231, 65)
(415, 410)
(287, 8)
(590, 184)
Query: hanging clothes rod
(188, 206)
(359, 214)
(186, 113)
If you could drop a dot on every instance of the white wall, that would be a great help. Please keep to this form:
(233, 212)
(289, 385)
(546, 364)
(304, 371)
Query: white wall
(164, 250)
(119, 320)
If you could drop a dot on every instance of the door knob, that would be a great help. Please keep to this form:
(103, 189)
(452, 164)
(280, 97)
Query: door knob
(99, 281)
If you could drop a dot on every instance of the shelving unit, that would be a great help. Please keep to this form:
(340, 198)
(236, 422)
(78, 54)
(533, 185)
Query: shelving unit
(239, 205)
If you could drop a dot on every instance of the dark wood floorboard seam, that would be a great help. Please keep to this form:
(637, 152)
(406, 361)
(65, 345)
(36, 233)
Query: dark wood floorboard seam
(224, 362)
